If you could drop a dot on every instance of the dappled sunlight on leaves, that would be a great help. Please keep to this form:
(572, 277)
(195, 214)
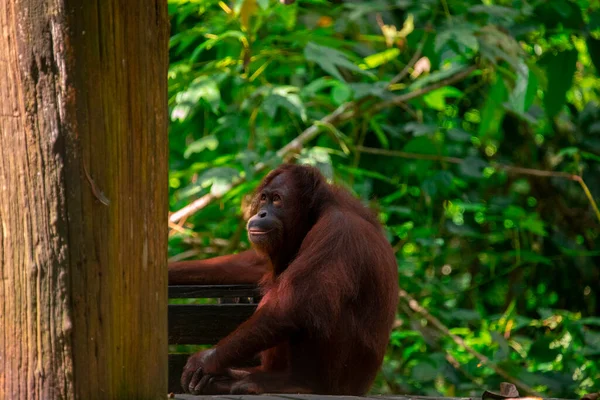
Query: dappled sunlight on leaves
(470, 127)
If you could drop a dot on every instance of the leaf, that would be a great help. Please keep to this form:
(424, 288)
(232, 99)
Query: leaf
(530, 257)
(379, 59)
(383, 140)
(590, 156)
(541, 352)
(462, 34)
(496, 45)
(589, 321)
(533, 224)
(425, 371)
(330, 60)
(514, 212)
(207, 45)
(365, 173)
(569, 13)
(359, 9)
(377, 89)
(560, 68)
(318, 157)
(407, 28)
(593, 46)
(493, 111)
(187, 101)
(592, 340)
(437, 99)
(525, 89)
(464, 315)
(285, 97)
(440, 183)
(248, 9)
(436, 77)
(219, 178)
(458, 135)
(568, 151)
(420, 145)
(418, 129)
(473, 167)
(402, 211)
(389, 199)
(341, 93)
(495, 10)
(594, 23)
(503, 346)
(209, 142)
(318, 85)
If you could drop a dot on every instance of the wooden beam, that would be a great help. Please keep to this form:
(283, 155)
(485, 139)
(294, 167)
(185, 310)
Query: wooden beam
(83, 199)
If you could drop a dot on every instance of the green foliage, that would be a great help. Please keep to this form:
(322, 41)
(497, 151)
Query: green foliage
(507, 259)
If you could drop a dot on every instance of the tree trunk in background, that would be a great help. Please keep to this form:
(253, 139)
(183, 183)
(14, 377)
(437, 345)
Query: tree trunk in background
(83, 199)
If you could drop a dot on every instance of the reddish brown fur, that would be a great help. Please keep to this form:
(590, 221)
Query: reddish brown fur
(330, 297)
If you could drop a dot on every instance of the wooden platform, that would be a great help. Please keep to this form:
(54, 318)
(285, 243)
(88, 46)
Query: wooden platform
(314, 397)
(320, 397)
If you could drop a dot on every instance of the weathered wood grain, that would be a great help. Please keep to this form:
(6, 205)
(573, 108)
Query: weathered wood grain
(83, 199)
(212, 291)
(205, 324)
(318, 397)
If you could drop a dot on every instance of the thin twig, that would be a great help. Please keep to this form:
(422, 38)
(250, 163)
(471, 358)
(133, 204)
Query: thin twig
(535, 172)
(178, 228)
(456, 160)
(420, 92)
(403, 154)
(414, 305)
(589, 196)
(184, 255)
(411, 63)
(413, 315)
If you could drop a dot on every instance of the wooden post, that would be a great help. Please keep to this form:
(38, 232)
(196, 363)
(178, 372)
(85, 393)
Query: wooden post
(83, 199)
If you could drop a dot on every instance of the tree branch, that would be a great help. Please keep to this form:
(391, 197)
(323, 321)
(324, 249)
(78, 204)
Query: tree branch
(588, 194)
(414, 305)
(503, 167)
(403, 98)
(456, 160)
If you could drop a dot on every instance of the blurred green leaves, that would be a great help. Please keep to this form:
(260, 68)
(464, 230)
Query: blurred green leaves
(560, 68)
(331, 60)
(506, 258)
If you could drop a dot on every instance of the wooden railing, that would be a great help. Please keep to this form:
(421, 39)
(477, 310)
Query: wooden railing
(198, 324)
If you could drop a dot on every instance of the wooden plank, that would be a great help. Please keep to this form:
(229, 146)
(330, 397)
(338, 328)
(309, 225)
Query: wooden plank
(206, 323)
(406, 397)
(212, 291)
(192, 397)
(398, 397)
(228, 397)
(319, 397)
(274, 396)
(314, 396)
(267, 397)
